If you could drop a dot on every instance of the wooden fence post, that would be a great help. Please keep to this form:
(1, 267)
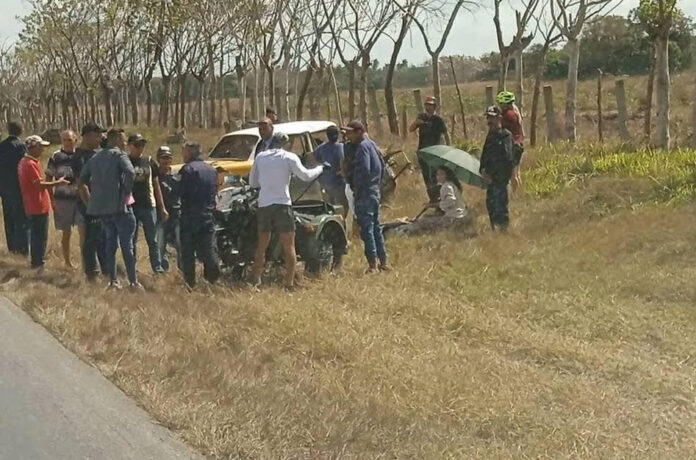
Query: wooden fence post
(418, 100)
(600, 121)
(374, 108)
(404, 122)
(461, 103)
(489, 96)
(551, 132)
(623, 111)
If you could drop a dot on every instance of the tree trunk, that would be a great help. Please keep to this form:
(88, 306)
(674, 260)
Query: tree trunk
(271, 88)
(164, 103)
(551, 133)
(573, 47)
(303, 91)
(364, 67)
(92, 106)
(535, 105)
(519, 78)
(392, 116)
(133, 99)
(351, 90)
(337, 95)
(662, 90)
(647, 122)
(182, 101)
(108, 96)
(503, 66)
(437, 89)
(261, 91)
(241, 81)
(212, 89)
(201, 103)
(148, 102)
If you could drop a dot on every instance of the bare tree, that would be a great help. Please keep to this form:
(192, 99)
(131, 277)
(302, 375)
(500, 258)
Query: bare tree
(571, 17)
(515, 49)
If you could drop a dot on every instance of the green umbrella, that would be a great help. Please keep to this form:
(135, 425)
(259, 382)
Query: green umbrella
(464, 165)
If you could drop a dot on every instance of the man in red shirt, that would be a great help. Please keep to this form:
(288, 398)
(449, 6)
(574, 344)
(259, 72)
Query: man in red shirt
(512, 121)
(37, 202)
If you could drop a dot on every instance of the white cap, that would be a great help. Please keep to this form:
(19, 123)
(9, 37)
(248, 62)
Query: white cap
(33, 141)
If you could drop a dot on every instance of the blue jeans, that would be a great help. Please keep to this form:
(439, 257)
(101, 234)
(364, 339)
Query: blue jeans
(367, 214)
(94, 247)
(198, 239)
(168, 233)
(148, 218)
(119, 229)
(38, 231)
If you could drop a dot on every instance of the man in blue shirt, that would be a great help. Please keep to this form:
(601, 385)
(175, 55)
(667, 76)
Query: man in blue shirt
(365, 178)
(332, 181)
(12, 150)
(198, 190)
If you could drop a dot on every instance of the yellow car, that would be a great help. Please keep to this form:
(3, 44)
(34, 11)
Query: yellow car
(234, 153)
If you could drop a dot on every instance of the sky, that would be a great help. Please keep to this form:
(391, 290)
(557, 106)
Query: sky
(473, 33)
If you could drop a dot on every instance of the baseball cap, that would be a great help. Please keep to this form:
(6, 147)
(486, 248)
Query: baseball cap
(354, 125)
(33, 141)
(92, 128)
(430, 100)
(136, 138)
(493, 111)
(164, 151)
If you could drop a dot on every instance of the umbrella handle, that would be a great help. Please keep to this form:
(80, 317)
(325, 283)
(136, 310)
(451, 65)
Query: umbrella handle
(422, 212)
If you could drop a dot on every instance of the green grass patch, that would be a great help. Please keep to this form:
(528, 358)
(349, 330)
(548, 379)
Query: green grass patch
(673, 173)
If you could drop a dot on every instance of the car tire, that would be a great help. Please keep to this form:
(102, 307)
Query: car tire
(321, 257)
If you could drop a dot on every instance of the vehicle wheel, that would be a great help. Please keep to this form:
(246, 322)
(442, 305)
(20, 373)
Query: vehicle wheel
(321, 257)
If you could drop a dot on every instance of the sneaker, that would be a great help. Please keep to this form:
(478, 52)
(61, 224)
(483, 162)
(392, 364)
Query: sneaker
(384, 267)
(114, 285)
(136, 287)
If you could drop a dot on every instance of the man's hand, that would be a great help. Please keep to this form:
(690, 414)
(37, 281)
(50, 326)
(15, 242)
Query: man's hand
(164, 215)
(328, 167)
(419, 122)
(54, 205)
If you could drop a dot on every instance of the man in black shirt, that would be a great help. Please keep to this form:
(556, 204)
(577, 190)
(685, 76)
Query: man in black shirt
(431, 127)
(92, 245)
(198, 191)
(497, 163)
(147, 198)
(12, 150)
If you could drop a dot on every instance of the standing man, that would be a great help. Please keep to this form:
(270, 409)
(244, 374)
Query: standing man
(198, 190)
(12, 150)
(497, 163)
(266, 133)
(168, 230)
(148, 199)
(271, 173)
(333, 182)
(431, 127)
(512, 121)
(64, 198)
(35, 197)
(365, 179)
(93, 244)
(106, 185)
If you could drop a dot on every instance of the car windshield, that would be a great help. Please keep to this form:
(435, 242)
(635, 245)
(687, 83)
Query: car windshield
(235, 147)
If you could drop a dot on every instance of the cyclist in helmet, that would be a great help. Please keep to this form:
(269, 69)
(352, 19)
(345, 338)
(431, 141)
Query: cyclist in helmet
(512, 121)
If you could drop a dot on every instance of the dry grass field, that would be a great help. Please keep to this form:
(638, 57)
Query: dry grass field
(571, 336)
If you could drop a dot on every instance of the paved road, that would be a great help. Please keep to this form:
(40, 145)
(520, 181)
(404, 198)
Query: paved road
(54, 406)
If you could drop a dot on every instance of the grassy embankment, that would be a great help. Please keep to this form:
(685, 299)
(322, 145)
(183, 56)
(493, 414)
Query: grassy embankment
(573, 335)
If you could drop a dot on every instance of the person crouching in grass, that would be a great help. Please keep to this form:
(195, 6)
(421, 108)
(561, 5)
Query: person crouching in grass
(497, 164)
(37, 202)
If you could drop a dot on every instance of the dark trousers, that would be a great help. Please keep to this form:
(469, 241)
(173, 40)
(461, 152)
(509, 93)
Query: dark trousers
(198, 239)
(119, 229)
(38, 231)
(16, 225)
(94, 248)
(430, 181)
(497, 205)
(367, 214)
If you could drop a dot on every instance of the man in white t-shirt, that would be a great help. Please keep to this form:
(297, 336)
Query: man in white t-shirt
(271, 173)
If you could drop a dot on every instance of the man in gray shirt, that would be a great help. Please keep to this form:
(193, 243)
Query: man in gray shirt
(106, 184)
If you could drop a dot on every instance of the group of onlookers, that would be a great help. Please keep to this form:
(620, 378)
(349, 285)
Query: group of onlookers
(108, 188)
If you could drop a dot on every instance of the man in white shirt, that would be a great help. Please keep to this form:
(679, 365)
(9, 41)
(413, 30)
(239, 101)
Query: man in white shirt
(271, 173)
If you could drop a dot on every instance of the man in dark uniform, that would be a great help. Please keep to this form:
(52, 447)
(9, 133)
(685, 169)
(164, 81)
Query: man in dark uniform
(93, 246)
(198, 189)
(12, 150)
(431, 127)
(497, 163)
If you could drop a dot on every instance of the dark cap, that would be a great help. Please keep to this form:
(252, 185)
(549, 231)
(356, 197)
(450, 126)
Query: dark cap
(271, 110)
(332, 130)
(164, 151)
(493, 111)
(136, 138)
(92, 128)
(354, 125)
